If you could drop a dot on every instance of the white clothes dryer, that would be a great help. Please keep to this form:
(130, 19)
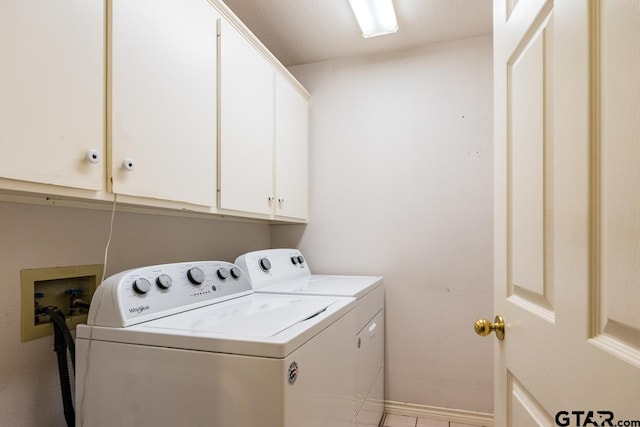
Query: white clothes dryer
(286, 272)
(191, 344)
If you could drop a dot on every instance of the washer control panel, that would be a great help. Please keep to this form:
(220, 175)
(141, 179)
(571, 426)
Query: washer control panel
(147, 293)
(273, 266)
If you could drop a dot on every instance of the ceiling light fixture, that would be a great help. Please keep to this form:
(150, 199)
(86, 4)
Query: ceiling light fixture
(375, 17)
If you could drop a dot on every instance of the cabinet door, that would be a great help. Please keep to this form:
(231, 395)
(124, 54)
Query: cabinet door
(291, 177)
(52, 92)
(246, 125)
(164, 99)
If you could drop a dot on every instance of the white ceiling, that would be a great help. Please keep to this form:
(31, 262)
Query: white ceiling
(304, 31)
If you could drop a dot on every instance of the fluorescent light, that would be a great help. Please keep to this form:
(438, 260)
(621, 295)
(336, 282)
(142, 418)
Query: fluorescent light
(375, 17)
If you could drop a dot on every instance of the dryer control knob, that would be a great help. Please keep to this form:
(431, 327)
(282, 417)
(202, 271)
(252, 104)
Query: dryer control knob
(236, 272)
(300, 259)
(294, 260)
(195, 275)
(141, 286)
(164, 281)
(265, 264)
(223, 273)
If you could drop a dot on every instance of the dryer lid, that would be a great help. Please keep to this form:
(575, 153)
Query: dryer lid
(317, 284)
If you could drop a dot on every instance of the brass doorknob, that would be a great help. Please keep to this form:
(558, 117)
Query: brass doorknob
(483, 327)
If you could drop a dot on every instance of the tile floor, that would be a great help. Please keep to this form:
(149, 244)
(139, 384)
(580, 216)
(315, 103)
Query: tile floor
(391, 420)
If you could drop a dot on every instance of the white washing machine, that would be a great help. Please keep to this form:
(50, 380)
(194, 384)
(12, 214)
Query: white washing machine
(191, 344)
(285, 271)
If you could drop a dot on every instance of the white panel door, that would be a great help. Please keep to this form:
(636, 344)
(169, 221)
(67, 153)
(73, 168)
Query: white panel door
(164, 99)
(52, 92)
(567, 212)
(291, 162)
(246, 125)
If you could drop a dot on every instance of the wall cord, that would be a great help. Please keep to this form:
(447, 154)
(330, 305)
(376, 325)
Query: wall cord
(81, 403)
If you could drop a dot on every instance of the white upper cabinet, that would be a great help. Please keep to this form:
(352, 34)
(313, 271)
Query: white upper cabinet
(263, 133)
(168, 103)
(291, 158)
(246, 125)
(163, 81)
(52, 92)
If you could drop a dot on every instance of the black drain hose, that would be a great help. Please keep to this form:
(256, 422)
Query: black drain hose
(62, 341)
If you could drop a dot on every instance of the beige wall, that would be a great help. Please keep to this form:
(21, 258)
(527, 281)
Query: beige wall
(401, 186)
(34, 236)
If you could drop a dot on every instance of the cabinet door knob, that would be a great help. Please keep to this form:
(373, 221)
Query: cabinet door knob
(128, 165)
(281, 200)
(93, 156)
(270, 198)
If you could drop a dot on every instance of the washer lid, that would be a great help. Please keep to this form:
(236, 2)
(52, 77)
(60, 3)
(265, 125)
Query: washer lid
(249, 317)
(317, 284)
(254, 325)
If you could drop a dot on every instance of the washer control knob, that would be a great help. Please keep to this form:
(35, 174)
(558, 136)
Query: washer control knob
(164, 281)
(141, 286)
(195, 275)
(265, 264)
(236, 272)
(294, 260)
(223, 273)
(300, 259)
